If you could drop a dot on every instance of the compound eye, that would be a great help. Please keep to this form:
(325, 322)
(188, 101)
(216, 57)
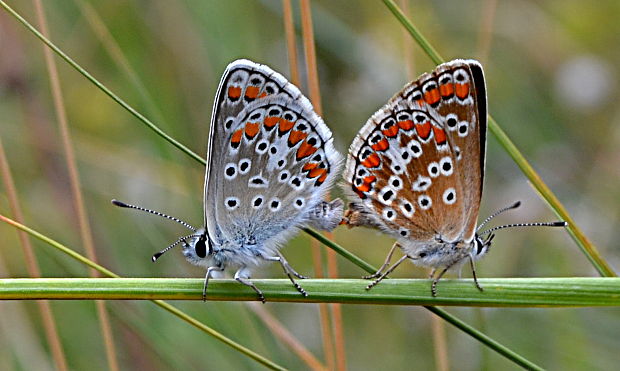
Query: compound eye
(201, 248)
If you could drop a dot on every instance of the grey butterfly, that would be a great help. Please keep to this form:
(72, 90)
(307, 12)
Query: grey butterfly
(416, 171)
(270, 163)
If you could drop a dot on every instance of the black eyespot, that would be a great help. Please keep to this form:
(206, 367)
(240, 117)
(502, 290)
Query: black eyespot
(283, 176)
(397, 168)
(269, 89)
(201, 248)
(434, 170)
(446, 166)
(274, 204)
(463, 129)
(255, 116)
(403, 233)
(317, 158)
(415, 149)
(255, 81)
(301, 127)
(232, 203)
(244, 165)
(280, 163)
(420, 118)
(376, 139)
(424, 202)
(312, 141)
(288, 117)
(422, 184)
(408, 207)
(366, 153)
(296, 182)
(451, 122)
(445, 80)
(258, 201)
(230, 171)
(396, 183)
(460, 77)
(274, 112)
(273, 150)
(258, 181)
(299, 202)
(450, 196)
(262, 146)
(422, 254)
(405, 155)
(388, 195)
(228, 123)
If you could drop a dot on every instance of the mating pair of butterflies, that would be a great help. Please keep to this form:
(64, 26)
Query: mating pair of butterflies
(415, 171)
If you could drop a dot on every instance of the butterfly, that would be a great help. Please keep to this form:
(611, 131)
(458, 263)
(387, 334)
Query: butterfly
(416, 170)
(270, 163)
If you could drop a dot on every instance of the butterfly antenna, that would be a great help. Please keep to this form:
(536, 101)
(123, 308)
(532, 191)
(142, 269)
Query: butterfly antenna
(545, 224)
(513, 206)
(122, 204)
(182, 239)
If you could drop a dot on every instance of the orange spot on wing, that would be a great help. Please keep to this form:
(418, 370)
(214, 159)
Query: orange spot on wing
(367, 183)
(316, 172)
(251, 92)
(305, 150)
(371, 161)
(382, 145)
(251, 129)
(285, 126)
(321, 179)
(295, 137)
(391, 132)
(271, 121)
(309, 166)
(405, 125)
(236, 138)
(446, 90)
(440, 135)
(423, 130)
(462, 90)
(234, 92)
(263, 95)
(432, 96)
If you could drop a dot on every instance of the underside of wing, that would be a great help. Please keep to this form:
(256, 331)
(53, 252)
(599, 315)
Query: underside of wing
(415, 168)
(271, 157)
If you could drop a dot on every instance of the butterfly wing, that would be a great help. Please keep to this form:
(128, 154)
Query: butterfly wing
(416, 167)
(271, 158)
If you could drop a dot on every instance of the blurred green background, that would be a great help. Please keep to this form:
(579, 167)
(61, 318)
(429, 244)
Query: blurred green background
(552, 71)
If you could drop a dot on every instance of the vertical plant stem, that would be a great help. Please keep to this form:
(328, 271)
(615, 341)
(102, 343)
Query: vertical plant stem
(440, 345)
(543, 190)
(485, 33)
(315, 98)
(49, 325)
(291, 45)
(74, 181)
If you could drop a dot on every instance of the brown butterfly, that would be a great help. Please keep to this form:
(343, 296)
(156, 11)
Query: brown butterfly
(416, 169)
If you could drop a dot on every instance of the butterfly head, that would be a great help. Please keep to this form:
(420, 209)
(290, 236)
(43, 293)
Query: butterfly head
(482, 245)
(197, 248)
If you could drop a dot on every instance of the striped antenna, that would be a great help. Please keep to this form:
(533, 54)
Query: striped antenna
(122, 204)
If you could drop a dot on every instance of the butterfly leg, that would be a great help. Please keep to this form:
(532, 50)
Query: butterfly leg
(375, 282)
(242, 276)
(385, 263)
(473, 271)
(436, 279)
(288, 270)
(210, 273)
